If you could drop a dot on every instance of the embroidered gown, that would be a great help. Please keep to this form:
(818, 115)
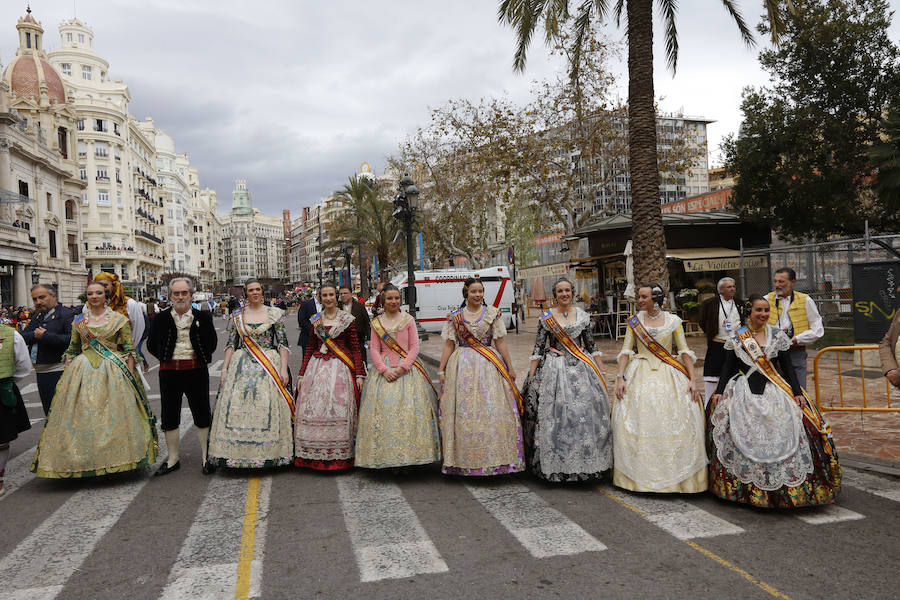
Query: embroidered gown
(480, 426)
(98, 422)
(327, 409)
(251, 426)
(398, 420)
(762, 450)
(658, 429)
(566, 421)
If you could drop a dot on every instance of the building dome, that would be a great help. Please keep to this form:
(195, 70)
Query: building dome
(30, 73)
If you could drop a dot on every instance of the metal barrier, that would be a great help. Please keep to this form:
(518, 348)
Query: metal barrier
(843, 407)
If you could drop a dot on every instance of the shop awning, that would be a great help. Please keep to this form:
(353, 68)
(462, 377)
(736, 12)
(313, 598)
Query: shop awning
(695, 253)
(714, 259)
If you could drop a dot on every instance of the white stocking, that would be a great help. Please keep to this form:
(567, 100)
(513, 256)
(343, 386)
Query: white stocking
(203, 434)
(172, 439)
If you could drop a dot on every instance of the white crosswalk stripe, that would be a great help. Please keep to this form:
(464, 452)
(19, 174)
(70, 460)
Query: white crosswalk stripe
(207, 564)
(17, 473)
(830, 513)
(679, 518)
(540, 528)
(31, 388)
(873, 484)
(388, 539)
(42, 563)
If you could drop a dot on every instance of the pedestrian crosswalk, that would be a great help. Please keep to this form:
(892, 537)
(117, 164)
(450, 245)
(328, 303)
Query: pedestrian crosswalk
(222, 553)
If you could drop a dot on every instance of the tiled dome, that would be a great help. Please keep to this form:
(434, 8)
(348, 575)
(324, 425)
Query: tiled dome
(25, 73)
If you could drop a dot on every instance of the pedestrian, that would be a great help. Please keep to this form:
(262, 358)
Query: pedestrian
(720, 316)
(796, 314)
(890, 351)
(48, 335)
(308, 309)
(657, 419)
(328, 390)
(359, 312)
(252, 423)
(768, 445)
(566, 419)
(480, 404)
(398, 416)
(15, 363)
(378, 303)
(100, 421)
(183, 339)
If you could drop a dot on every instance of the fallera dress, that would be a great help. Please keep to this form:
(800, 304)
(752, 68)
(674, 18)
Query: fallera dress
(398, 420)
(99, 421)
(658, 429)
(325, 416)
(763, 450)
(480, 427)
(566, 421)
(251, 426)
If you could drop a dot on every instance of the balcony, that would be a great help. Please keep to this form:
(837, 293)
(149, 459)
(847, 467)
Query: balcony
(148, 236)
(102, 179)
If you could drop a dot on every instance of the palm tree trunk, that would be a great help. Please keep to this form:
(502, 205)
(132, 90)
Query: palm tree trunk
(646, 226)
(363, 274)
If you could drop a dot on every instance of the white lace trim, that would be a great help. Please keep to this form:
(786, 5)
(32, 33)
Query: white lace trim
(628, 353)
(597, 353)
(534, 357)
(689, 353)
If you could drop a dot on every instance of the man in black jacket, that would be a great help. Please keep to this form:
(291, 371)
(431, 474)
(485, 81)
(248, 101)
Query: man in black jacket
(720, 316)
(359, 312)
(48, 335)
(307, 309)
(183, 339)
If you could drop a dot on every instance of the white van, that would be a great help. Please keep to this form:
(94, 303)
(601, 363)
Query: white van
(440, 292)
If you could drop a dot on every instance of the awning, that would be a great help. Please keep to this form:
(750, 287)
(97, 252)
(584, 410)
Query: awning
(689, 253)
(714, 259)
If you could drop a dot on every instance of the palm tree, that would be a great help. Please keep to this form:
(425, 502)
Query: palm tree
(526, 16)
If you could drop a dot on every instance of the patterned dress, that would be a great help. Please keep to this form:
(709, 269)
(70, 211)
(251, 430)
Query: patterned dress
(398, 420)
(658, 429)
(480, 426)
(762, 450)
(251, 427)
(566, 420)
(327, 409)
(99, 421)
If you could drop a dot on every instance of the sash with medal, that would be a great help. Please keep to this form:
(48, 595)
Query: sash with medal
(569, 344)
(322, 333)
(260, 356)
(394, 345)
(484, 351)
(655, 348)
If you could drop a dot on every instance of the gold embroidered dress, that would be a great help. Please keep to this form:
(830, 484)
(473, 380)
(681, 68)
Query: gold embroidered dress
(98, 422)
(251, 426)
(658, 429)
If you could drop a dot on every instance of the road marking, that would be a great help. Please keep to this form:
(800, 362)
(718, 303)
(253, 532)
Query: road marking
(153, 396)
(620, 498)
(215, 369)
(219, 553)
(829, 513)
(17, 473)
(29, 389)
(873, 484)
(540, 528)
(683, 520)
(33, 405)
(38, 420)
(388, 540)
(72, 531)
(156, 366)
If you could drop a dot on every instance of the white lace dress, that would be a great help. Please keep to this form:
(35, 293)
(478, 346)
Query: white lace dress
(658, 429)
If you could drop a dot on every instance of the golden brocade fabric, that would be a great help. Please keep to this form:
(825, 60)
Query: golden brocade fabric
(97, 422)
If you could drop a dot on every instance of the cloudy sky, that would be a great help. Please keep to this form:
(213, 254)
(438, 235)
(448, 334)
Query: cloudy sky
(293, 95)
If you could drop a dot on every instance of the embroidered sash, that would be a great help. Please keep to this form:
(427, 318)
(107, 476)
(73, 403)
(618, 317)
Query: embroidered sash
(484, 351)
(394, 345)
(322, 333)
(655, 347)
(569, 344)
(257, 353)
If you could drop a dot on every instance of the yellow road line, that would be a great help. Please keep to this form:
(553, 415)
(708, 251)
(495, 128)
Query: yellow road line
(711, 555)
(248, 540)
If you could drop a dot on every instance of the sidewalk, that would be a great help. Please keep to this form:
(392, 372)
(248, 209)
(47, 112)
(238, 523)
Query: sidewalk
(873, 437)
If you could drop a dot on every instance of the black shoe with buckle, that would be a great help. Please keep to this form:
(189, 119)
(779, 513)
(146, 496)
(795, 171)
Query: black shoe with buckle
(165, 469)
(209, 468)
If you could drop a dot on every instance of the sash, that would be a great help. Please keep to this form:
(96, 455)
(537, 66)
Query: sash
(257, 353)
(765, 366)
(100, 348)
(484, 351)
(322, 333)
(570, 345)
(655, 347)
(394, 345)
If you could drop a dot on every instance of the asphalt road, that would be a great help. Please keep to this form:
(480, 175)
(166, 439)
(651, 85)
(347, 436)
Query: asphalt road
(293, 533)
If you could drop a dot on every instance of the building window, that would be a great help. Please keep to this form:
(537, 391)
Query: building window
(23, 188)
(116, 129)
(84, 196)
(100, 149)
(52, 239)
(70, 210)
(102, 174)
(85, 71)
(81, 40)
(68, 37)
(49, 202)
(99, 125)
(80, 124)
(66, 69)
(82, 173)
(103, 198)
(27, 40)
(62, 137)
(73, 248)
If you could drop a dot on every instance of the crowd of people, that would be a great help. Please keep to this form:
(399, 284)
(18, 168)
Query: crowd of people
(752, 436)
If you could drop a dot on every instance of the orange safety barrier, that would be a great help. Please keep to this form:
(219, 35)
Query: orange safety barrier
(840, 376)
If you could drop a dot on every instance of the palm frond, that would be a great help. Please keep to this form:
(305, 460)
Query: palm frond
(777, 24)
(617, 12)
(669, 8)
(746, 33)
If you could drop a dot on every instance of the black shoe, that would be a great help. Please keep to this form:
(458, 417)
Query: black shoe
(165, 469)
(209, 468)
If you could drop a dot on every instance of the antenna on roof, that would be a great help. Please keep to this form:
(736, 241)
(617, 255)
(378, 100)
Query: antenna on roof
(74, 9)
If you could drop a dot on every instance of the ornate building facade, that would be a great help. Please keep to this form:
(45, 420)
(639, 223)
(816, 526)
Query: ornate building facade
(253, 244)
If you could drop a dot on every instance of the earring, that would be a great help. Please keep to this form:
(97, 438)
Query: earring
(656, 306)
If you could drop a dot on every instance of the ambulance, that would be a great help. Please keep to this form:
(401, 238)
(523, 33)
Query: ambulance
(440, 292)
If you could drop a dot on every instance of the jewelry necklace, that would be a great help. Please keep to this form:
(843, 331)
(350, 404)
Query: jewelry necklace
(752, 330)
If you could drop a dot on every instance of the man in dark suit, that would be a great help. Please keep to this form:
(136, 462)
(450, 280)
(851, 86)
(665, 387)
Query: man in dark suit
(307, 309)
(360, 314)
(720, 316)
(183, 339)
(48, 335)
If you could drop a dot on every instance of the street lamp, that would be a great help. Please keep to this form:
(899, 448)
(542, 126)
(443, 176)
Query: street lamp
(331, 263)
(406, 203)
(347, 251)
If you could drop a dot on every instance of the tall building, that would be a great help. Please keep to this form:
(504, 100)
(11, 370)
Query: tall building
(40, 223)
(121, 209)
(253, 244)
(298, 268)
